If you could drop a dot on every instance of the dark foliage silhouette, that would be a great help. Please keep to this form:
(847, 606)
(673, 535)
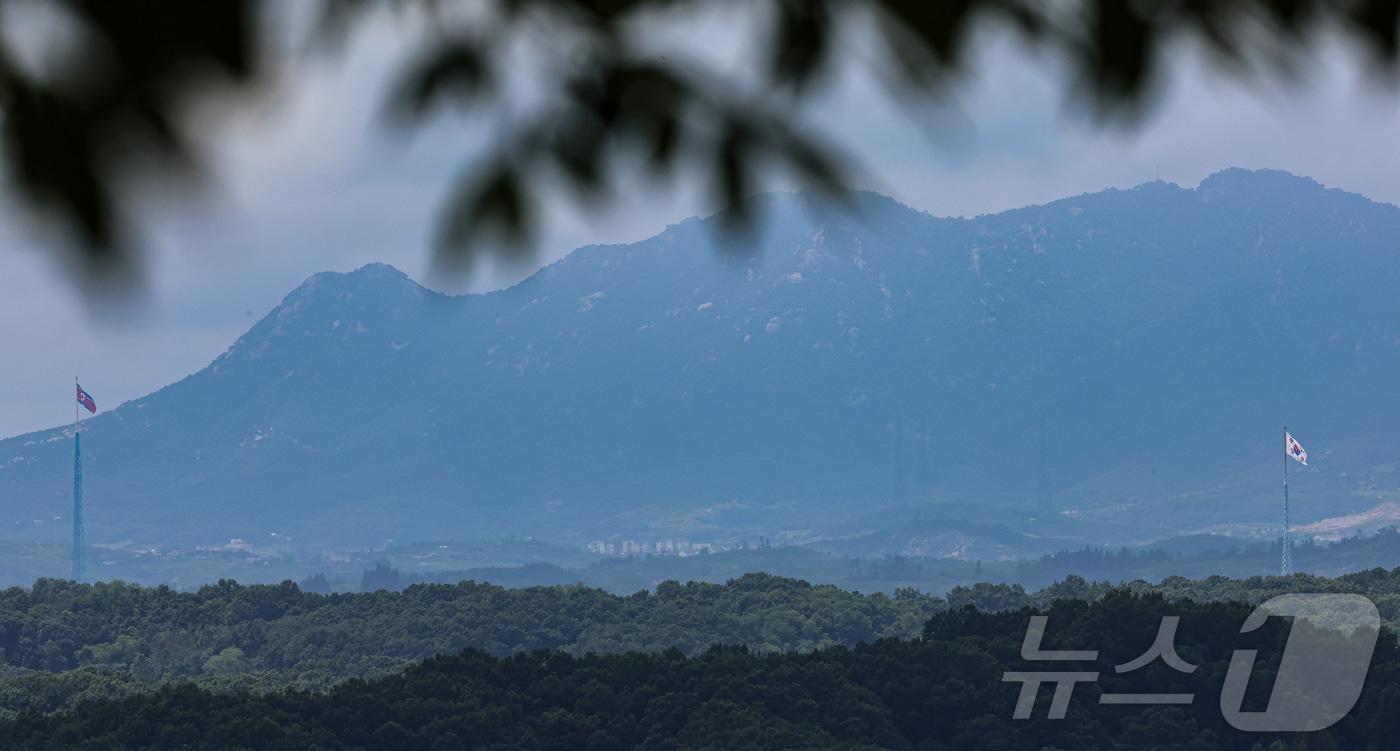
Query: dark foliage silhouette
(112, 108)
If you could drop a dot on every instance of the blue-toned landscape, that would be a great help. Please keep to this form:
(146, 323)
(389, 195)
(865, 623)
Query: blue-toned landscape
(989, 375)
(863, 381)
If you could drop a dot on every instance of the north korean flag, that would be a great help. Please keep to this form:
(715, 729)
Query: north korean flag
(85, 399)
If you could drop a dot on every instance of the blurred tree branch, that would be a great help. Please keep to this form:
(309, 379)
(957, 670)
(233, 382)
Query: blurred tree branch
(77, 129)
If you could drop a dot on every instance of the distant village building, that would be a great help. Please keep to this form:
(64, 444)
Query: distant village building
(666, 546)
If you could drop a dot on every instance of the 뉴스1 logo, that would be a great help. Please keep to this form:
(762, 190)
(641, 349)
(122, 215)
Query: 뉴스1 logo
(1319, 679)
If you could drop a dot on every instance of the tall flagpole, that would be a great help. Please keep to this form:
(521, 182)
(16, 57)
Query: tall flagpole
(77, 487)
(1287, 568)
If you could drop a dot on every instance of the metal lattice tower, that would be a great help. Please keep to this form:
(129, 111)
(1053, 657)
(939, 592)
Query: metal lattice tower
(1287, 568)
(78, 568)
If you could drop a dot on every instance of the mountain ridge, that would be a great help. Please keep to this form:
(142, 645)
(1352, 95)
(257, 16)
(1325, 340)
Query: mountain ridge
(386, 271)
(691, 384)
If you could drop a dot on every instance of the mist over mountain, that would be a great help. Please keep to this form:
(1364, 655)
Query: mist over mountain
(1112, 367)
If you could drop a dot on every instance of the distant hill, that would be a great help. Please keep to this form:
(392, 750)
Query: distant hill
(685, 385)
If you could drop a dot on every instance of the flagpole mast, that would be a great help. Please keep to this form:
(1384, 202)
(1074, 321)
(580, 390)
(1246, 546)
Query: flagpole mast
(1287, 568)
(77, 487)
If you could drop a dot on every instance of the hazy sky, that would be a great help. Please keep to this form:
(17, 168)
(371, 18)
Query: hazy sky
(308, 181)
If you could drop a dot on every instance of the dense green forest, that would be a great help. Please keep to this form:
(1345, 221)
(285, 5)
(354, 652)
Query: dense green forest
(63, 643)
(301, 638)
(942, 689)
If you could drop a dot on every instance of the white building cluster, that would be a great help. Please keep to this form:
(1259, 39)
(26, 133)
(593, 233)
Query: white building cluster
(667, 546)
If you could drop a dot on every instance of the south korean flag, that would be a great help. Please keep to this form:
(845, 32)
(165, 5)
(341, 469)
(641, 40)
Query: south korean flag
(1294, 449)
